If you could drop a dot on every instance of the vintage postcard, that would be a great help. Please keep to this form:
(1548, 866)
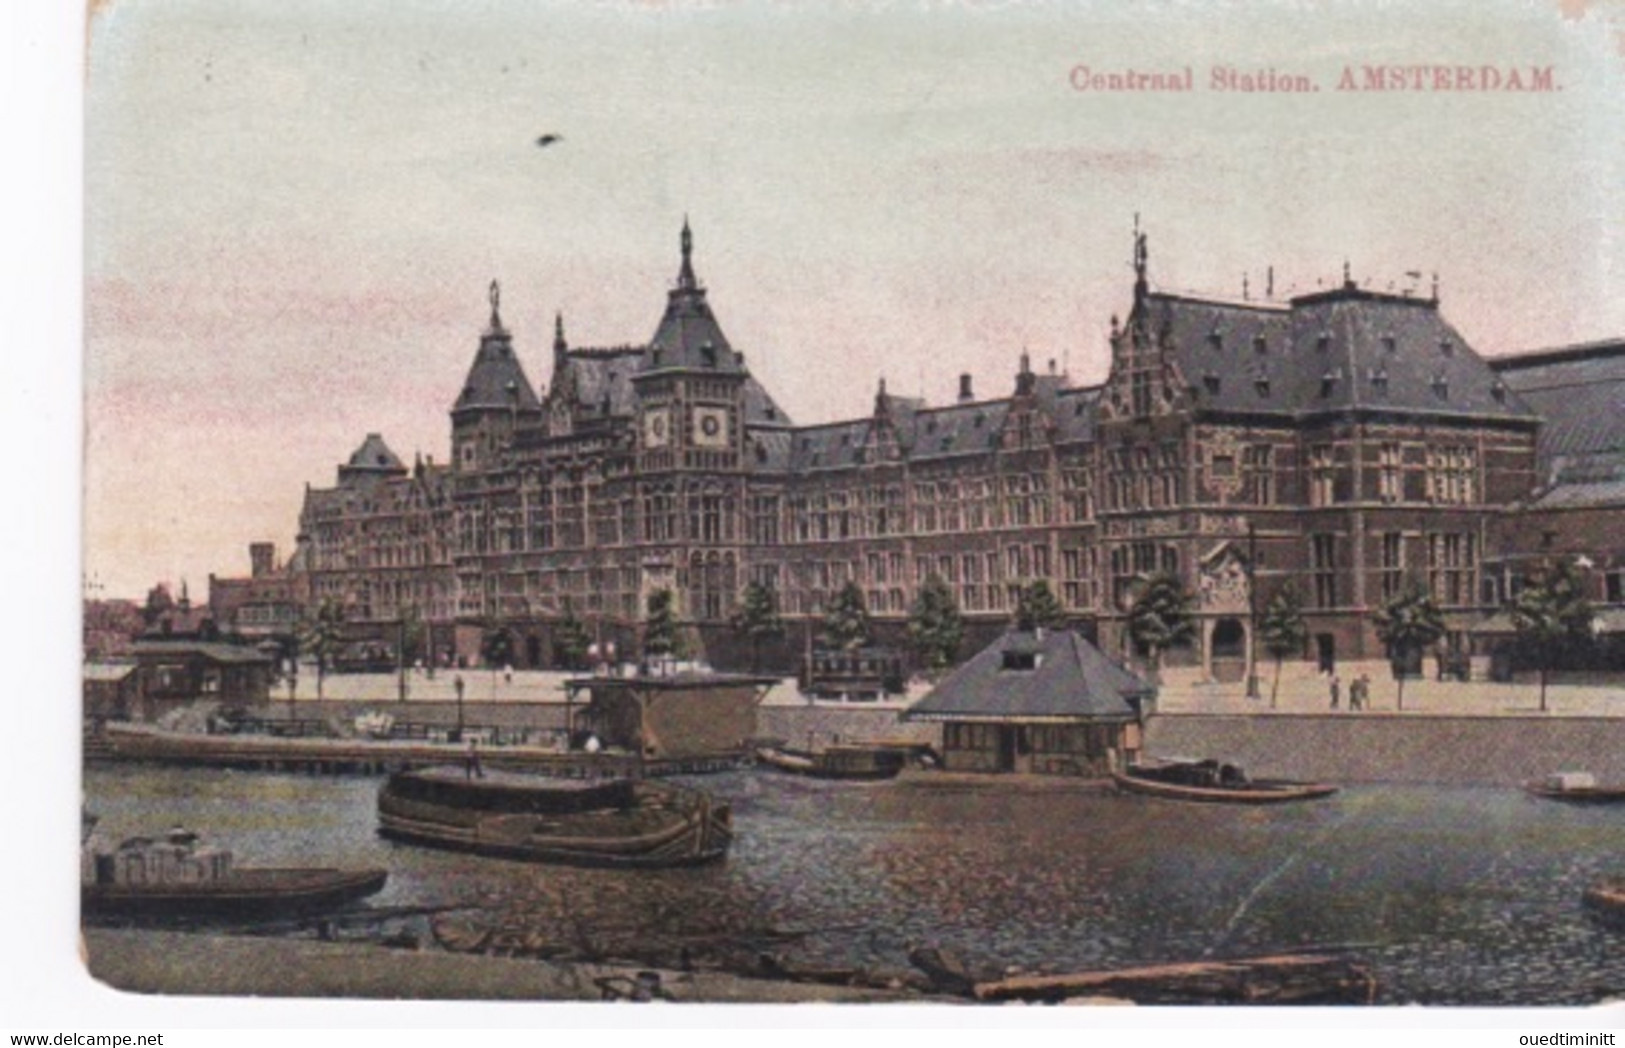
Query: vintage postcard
(946, 505)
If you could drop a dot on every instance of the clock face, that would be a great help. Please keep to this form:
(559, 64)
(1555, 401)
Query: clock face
(656, 429)
(711, 427)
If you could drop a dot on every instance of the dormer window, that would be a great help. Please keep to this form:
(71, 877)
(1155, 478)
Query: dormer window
(1441, 387)
(1328, 383)
(1499, 390)
(1324, 342)
(1379, 380)
(1447, 347)
(708, 353)
(1210, 381)
(1388, 344)
(1260, 345)
(1262, 384)
(1215, 341)
(1020, 661)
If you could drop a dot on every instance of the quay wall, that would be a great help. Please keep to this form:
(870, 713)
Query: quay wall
(794, 724)
(1501, 751)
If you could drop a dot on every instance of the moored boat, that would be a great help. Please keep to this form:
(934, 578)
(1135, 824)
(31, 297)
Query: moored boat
(1575, 787)
(836, 762)
(176, 875)
(617, 823)
(1214, 782)
(1606, 901)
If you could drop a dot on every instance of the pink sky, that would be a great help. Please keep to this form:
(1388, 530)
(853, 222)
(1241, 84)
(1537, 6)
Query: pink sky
(293, 210)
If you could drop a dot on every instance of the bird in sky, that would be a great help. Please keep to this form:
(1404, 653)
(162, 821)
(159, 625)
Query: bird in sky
(549, 139)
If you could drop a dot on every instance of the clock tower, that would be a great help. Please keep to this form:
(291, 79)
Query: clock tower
(691, 395)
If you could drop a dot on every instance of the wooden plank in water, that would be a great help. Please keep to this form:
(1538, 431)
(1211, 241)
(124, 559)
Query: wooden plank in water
(1291, 979)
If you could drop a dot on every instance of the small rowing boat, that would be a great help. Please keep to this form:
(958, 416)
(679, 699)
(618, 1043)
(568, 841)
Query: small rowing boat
(836, 762)
(1213, 782)
(179, 876)
(1575, 787)
(619, 823)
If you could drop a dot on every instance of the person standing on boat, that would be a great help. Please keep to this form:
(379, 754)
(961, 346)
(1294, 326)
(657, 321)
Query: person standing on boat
(1336, 690)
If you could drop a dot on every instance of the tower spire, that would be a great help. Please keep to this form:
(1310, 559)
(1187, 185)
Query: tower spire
(559, 345)
(685, 275)
(1140, 254)
(495, 295)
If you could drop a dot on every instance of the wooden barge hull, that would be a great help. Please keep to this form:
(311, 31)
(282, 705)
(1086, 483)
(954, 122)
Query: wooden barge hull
(1578, 794)
(246, 893)
(1606, 902)
(886, 764)
(674, 828)
(1261, 792)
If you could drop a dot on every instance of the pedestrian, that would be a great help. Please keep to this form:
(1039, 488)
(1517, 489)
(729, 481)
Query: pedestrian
(1336, 690)
(1358, 691)
(507, 674)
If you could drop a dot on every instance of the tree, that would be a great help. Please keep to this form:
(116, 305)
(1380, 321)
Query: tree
(846, 619)
(934, 624)
(757, 618)
(571, 642)
(660, 625)
(1283, 631)
(1160, 617)
(496, 648)
(1037, 608)
(321, 636)
(1407, 624)
(1551, 616)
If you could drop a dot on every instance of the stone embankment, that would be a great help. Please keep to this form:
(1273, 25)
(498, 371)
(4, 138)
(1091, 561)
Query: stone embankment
(1365, 747)
(145, 961)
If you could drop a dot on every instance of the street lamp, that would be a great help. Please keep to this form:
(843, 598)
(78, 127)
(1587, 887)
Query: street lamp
(1252, 611)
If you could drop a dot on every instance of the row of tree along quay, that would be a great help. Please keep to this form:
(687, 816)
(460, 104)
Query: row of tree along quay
(1553, 624)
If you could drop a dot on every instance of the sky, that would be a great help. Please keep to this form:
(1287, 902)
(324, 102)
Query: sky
(293, 209)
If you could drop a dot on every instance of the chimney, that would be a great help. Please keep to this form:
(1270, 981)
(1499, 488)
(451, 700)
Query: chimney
(261, 558)
(965, 394)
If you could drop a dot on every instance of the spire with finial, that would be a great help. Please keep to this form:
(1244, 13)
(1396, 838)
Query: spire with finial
(1140, 256)
(685, 275)
(1348, 281)
(1435, 288)
(559, 345)
(495, 294)
(1246, 293)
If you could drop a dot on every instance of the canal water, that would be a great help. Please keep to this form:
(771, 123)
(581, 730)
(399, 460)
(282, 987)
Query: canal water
(1454, 896)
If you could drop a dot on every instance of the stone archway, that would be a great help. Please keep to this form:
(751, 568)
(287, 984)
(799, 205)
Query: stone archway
(1227, 650)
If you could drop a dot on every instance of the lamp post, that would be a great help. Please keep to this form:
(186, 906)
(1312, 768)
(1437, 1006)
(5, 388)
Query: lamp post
(1252, 611)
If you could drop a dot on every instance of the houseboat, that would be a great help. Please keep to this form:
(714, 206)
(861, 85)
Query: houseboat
(177, 875)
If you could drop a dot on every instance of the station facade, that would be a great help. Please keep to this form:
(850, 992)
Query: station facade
(1343, 443)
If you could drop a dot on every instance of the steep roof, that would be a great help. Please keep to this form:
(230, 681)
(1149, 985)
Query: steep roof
(688, 335)
(372, 459)
(496, 380)
(1336, 350)
(1069, 679)
(1580, 393)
